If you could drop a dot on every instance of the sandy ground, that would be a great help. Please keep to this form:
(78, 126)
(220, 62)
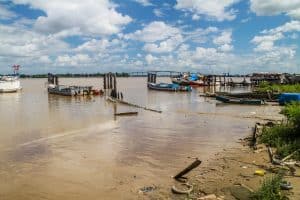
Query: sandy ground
(227, 172)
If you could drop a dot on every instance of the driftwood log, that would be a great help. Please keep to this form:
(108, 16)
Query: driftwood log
(126, 113)
(289, 156)
(195, 164)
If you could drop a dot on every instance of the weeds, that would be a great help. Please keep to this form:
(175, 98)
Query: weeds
(285, 137)
(270, 189)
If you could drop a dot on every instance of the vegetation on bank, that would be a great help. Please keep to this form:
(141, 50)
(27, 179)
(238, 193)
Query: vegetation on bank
(270, 189)
(285, 137)
(278, 88)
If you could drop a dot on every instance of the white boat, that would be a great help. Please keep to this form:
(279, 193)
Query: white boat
(9, 84)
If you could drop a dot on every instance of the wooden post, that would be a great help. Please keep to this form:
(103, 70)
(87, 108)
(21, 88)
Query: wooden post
(110, 81)
(104, 81)
(115, 82)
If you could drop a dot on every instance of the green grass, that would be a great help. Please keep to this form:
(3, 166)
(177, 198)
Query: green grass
(285, 137)
(277, 88)
(270, 189)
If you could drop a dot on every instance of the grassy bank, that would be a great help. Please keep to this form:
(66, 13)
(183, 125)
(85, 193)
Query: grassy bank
(276, 88)
(285, 137)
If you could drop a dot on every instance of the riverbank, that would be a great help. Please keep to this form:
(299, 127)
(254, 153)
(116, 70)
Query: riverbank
(230, 174)
(233, 168)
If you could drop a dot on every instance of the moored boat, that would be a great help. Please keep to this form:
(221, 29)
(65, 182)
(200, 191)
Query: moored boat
(169, 87)
(180, 81)
(10, 83)
(55, 88)
(246, 101)
(197, 83)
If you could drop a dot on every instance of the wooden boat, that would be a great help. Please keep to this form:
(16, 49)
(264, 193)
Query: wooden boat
(197, 83)
(180, 81)
(246, 101)
(186, 82)
(169, 87)
(70, 90)
(251, 95)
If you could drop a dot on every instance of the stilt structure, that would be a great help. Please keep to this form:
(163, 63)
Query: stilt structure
(151, 77)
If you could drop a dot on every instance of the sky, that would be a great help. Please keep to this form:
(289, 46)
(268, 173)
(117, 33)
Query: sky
(206, 36)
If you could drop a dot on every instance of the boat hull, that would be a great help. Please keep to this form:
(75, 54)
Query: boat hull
(168, 87)
(70, 90)
(9, 85)
(197, 83)
(180, 81)
(230, 100)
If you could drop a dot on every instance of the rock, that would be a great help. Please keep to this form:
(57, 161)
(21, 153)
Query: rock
(240, 192)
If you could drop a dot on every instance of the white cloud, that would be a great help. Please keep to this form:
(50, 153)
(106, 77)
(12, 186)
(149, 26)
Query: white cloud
(196, 17)
(15, 41)
(158, 12)
(73, 60)
(224, 41)
(89, 17)
(291, 26)
(164, 46)
(158, 36)
(102, 45)
(6, 14)
(270, 55)
(44, 59)
(213, 9)
(225, 47)
(150, 59)
(224, 38)
(246, 20)
(155, 31)
(266, 42)
(144, 2)
(275, 7)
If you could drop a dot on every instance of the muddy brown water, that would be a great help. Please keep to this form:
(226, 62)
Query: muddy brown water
(54, 147)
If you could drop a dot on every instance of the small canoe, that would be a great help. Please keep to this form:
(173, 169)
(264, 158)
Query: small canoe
(245, 101)
(169, 87)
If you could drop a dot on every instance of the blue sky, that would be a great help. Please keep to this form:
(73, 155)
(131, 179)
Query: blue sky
(216, 36)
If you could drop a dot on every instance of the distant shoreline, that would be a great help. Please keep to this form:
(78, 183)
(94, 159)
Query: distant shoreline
(69, 75)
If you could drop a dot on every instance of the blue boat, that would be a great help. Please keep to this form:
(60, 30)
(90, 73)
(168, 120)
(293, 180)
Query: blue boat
(169, 87)
(285, 98)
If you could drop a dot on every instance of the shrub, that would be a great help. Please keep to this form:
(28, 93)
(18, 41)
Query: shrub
(270, 189)
(285, 137)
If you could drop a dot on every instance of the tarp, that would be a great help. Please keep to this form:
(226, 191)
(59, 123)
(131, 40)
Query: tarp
(193, 77)
(285, 98)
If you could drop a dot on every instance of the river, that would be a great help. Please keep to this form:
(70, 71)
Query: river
(55, 147)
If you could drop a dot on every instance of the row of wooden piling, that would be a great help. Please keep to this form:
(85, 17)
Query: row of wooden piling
(151, 78)
(53, 79)
(110, 81)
